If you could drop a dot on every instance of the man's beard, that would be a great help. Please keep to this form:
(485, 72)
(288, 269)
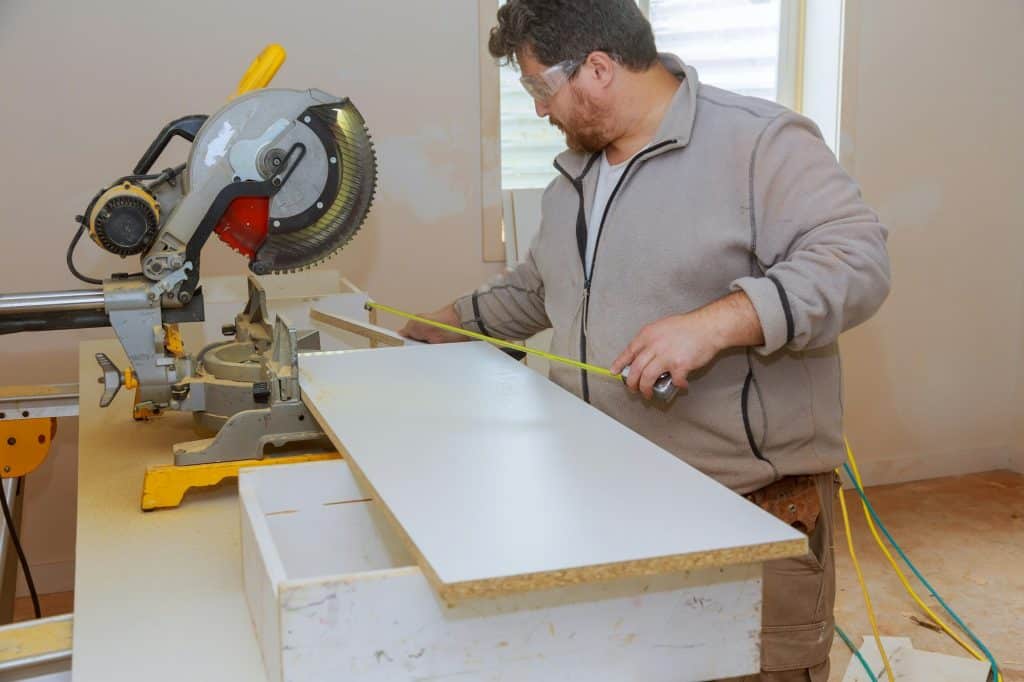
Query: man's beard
(585, 129)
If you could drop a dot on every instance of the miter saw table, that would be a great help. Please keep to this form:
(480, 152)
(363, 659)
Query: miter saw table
(167, 583)
(162, 594)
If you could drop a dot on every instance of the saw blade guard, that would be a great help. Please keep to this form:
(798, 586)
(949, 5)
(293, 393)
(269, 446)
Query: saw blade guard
(285, 177)
(316, 232)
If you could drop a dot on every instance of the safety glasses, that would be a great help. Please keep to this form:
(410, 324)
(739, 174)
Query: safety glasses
(545, 84)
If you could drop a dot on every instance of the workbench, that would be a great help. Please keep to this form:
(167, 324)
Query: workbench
(158, 595)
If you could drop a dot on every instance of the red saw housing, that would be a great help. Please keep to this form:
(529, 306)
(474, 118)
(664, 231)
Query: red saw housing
(244, 225)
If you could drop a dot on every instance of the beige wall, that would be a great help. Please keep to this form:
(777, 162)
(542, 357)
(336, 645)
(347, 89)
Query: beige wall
(932, 129)
(86, 87)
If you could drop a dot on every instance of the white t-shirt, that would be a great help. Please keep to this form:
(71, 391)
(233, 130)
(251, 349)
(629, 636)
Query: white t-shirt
(608, 177)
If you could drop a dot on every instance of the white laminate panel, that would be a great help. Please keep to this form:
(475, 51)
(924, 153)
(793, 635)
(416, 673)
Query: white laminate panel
(492, 471)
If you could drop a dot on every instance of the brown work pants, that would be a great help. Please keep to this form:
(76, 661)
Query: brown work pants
(797, 623)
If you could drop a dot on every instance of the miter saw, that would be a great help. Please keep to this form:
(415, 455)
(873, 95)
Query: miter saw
(286, 178)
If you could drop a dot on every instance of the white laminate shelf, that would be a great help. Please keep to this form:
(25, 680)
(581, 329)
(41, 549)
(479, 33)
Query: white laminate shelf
(503, 482)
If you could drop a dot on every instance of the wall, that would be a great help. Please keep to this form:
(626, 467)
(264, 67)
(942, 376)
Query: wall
(86, 87)
(931, 127)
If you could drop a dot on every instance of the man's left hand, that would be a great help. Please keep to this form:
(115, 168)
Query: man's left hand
(681, 344)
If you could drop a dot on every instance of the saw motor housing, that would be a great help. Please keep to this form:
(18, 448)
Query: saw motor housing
(124, 219)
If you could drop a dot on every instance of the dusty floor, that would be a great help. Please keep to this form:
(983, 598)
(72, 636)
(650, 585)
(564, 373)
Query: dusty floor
(966, 535)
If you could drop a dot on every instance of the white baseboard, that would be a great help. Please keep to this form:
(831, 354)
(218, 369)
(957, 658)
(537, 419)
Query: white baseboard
(885, 471)
(56, 576)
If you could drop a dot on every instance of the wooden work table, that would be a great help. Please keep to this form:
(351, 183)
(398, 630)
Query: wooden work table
(158, 595)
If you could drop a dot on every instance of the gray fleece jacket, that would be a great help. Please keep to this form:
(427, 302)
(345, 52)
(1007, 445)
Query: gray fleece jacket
(732, 193)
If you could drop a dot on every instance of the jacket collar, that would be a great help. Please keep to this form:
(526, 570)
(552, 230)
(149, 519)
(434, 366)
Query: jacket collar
(675, 129)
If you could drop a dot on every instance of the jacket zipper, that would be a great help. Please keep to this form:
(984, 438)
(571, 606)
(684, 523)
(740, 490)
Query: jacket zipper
(589, 279)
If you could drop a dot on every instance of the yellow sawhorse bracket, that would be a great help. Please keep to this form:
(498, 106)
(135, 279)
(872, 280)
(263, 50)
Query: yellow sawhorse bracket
(24, 444)
(165, 486)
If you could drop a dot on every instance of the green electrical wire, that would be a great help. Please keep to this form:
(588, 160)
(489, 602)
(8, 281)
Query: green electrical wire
(856, 652)
(854, 478)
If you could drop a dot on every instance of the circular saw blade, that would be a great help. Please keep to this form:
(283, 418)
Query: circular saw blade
(352, 151)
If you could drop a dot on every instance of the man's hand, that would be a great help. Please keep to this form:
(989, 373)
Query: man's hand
(682, 344)
(424, 332)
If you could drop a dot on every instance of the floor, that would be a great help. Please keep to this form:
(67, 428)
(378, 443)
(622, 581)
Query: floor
(966, 535)
(49, 604)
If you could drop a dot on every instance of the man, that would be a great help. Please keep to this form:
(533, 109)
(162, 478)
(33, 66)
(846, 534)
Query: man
(713, 236)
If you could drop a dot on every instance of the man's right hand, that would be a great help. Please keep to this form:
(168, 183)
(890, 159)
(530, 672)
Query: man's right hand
(424, 332)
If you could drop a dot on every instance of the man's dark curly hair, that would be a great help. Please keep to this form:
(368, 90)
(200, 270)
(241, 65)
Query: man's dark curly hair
(558, 30)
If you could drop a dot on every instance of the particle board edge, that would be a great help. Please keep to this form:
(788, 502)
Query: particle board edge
(529, 582)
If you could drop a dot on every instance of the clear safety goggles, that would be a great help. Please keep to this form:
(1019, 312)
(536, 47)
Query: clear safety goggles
(545, 84)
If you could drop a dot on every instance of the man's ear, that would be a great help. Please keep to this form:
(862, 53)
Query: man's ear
(601, 67)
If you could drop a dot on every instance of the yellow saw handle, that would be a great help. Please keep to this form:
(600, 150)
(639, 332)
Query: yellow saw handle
(262, 70)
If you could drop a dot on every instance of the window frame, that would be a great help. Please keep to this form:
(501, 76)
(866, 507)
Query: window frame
(492, 241)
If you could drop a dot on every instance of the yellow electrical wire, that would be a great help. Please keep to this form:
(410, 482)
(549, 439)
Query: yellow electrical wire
(903, 579)
(864, 587)
(490, 339)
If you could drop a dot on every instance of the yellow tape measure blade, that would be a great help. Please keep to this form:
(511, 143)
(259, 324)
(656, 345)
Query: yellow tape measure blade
(373, 305)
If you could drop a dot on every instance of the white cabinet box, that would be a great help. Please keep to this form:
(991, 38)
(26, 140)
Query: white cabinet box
(335, 595)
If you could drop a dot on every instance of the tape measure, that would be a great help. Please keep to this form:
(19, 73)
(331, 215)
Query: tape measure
(664, 389)
(371, 305)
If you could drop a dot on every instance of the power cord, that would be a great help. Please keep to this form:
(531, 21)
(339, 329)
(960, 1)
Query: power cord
(872, 519)
(71, 256)
(17, 547)
(856, 652)
(864, 588)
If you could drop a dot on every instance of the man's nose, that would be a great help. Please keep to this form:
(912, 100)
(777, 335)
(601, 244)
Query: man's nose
(541, 107)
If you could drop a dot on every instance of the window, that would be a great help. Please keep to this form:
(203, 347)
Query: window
(743, 45)
(528, 143)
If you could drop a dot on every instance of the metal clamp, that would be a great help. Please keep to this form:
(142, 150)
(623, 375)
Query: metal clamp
(169, 281)
(112, 379)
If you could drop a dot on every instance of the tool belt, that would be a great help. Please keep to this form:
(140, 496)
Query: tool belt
(793, 499)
